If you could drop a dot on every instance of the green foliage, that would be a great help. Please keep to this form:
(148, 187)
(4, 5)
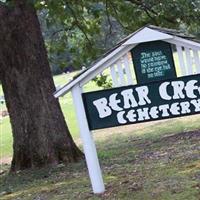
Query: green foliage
(103, 81)
(78, 32)
(170, 13)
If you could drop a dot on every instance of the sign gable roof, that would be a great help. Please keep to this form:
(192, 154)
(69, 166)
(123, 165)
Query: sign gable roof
(146, 35)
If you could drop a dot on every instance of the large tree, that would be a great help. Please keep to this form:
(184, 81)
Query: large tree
(41, 136)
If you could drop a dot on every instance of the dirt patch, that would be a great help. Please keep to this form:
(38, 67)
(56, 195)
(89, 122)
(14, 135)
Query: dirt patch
(192, 135)
(5, 160)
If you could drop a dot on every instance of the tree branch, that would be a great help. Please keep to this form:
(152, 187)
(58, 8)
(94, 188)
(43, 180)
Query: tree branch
(143, 6)
(62, 30)
(147, 9)
(77, 23)
(108, 17)
(117, 17)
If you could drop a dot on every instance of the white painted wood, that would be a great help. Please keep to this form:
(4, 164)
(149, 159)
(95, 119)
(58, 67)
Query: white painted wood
(121, 77)
(181, 60)
(196, 60)
(184, 43)
(88, 143)
(146, 35)
(95, 70)
(106, 64)
(114, 76)
(127, 69)
(188, 61)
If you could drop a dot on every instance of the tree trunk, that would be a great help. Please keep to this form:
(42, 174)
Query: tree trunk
(40, 134)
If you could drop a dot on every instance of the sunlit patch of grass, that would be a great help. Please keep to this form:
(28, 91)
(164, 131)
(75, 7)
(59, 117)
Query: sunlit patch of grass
(5, 138)
(191, 168)
(136, 165)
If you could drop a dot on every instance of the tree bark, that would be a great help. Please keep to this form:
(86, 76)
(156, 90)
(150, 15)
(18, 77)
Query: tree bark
(40, 134)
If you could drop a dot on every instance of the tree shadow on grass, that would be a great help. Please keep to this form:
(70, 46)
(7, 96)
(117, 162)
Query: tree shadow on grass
(140, 166)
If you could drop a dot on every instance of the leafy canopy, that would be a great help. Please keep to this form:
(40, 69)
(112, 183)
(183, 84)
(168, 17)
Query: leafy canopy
(78, 31)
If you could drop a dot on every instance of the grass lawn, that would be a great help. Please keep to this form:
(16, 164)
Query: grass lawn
(153, 161)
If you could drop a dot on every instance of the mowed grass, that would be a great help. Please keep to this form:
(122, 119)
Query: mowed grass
(153, 161)
(5, 138)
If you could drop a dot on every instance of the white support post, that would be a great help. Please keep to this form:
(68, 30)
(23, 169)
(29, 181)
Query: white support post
(197, 60)
(120, 73)
(181, 60)
(88, 143)
(189, 61)
(114, 76)
(127, 69)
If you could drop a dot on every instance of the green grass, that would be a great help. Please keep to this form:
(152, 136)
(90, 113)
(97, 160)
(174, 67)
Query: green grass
(66, 102)
(146, 162)
(5, 138)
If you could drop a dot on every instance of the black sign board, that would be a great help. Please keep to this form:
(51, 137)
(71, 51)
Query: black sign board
(141, 103)
(153, 61)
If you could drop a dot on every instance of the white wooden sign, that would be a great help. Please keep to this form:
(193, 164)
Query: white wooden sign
(119, 61)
